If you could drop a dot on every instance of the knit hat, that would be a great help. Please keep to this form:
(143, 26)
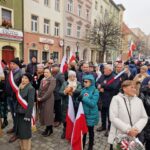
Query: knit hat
(70, 73)
(29, 76)
(16, 61)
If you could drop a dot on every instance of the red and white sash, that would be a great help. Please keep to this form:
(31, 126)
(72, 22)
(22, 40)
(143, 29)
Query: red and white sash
(21, 101)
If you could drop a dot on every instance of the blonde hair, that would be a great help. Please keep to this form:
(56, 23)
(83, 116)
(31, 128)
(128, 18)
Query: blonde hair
(144, 68)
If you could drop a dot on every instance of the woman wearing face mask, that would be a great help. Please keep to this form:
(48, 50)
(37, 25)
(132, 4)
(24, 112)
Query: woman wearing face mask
(23, 116)
(127, 113)
(46, 102)
(89, 97)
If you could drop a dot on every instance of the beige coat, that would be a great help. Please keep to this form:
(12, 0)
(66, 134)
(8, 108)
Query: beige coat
(46, 105)
(119, 117)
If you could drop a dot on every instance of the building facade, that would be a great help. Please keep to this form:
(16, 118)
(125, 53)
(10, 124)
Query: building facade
(43, 30)
(11, 26)
(101, 11)
(77, 23)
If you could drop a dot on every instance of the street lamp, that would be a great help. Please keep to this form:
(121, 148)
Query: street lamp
(77, 53)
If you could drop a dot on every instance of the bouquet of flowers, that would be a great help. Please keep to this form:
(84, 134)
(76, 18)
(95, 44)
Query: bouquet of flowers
(125, 142)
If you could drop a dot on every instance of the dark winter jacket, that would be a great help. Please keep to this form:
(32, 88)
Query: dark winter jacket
(23, 128)
(31, 68)
(59, 81)
(109, 90)
(17, 79)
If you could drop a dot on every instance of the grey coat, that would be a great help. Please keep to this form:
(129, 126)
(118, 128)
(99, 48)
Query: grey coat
(23, 128)
(46, 105)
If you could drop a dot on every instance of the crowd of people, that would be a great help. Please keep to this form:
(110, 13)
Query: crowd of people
(123, 104)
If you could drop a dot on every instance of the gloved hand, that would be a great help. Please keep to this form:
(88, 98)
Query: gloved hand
(80, 98)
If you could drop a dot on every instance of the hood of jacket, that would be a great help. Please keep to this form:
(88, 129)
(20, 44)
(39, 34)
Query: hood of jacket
(91, 78)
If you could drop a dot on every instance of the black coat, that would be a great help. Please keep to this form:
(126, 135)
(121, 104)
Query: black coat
(31, 68)
(17, 79)
(109, 90)
(145, 96)
(23, 128)
(59, 82)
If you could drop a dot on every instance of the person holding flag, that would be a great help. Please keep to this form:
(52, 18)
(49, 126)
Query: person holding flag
(72, 88)
(89, 97)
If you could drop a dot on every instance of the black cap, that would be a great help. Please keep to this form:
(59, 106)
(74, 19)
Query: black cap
(29, 76)
(16, 61)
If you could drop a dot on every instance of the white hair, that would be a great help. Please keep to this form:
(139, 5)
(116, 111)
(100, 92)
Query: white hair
(70, 73)
(109, 67)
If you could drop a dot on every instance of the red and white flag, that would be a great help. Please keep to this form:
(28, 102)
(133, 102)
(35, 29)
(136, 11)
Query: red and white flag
(72, 58)
(1, 69)
(131, 49)
(116, 77)
(64, 65)
(80, 128)
(70, 118)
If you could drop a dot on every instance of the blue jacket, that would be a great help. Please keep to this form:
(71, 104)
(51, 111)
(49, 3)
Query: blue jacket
(90, 98)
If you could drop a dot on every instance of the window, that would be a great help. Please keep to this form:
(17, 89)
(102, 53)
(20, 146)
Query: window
(69, 26)
(102, 9)
(34, 23)
(46, 2)
(78, 31)
(79, 10)
(33, 53)
(96, 5)
(45, 56)
(57, 5)
(70, 5)
(55, 56)
(6, 18)
(87, 14)
(57, 29)
(46, 26)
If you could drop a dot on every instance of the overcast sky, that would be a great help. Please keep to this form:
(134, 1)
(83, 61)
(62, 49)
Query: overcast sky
(137, 13)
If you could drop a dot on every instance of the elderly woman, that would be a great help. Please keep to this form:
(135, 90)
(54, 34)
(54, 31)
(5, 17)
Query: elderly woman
(89, 97)
(73, 88)
(127, 113)
(140, 77)
(46, 102)
(23, 116)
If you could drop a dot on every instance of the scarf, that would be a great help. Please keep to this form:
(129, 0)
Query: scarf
(72, 84)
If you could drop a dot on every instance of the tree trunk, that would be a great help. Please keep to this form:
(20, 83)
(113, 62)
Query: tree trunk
(1, 132)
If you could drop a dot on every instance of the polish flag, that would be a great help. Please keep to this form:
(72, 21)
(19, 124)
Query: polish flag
(116, 77)
(64, 65)
(80, 128)
(131, 49)
(70, 118)
(1, 70)
(72, 58)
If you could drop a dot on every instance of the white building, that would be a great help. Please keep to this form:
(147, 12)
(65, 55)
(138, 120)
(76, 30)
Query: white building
(43, 29)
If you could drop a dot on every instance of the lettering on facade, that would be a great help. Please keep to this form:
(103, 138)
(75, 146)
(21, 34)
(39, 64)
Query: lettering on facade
(46, 41)
(11, 34)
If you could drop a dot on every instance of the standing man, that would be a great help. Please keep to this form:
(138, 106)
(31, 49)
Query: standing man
(57, 103)
(11, 95)
(106, 94)
(32, 67)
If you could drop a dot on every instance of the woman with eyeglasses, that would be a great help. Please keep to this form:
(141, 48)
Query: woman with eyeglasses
(89, 97)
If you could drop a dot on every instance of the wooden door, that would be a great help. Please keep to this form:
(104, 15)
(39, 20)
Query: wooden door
(7, 55)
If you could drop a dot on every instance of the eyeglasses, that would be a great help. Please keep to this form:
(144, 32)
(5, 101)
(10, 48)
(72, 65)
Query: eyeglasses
(85, 81)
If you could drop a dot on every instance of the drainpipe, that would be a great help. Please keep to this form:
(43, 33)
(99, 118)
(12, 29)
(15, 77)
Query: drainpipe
(23, 29)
